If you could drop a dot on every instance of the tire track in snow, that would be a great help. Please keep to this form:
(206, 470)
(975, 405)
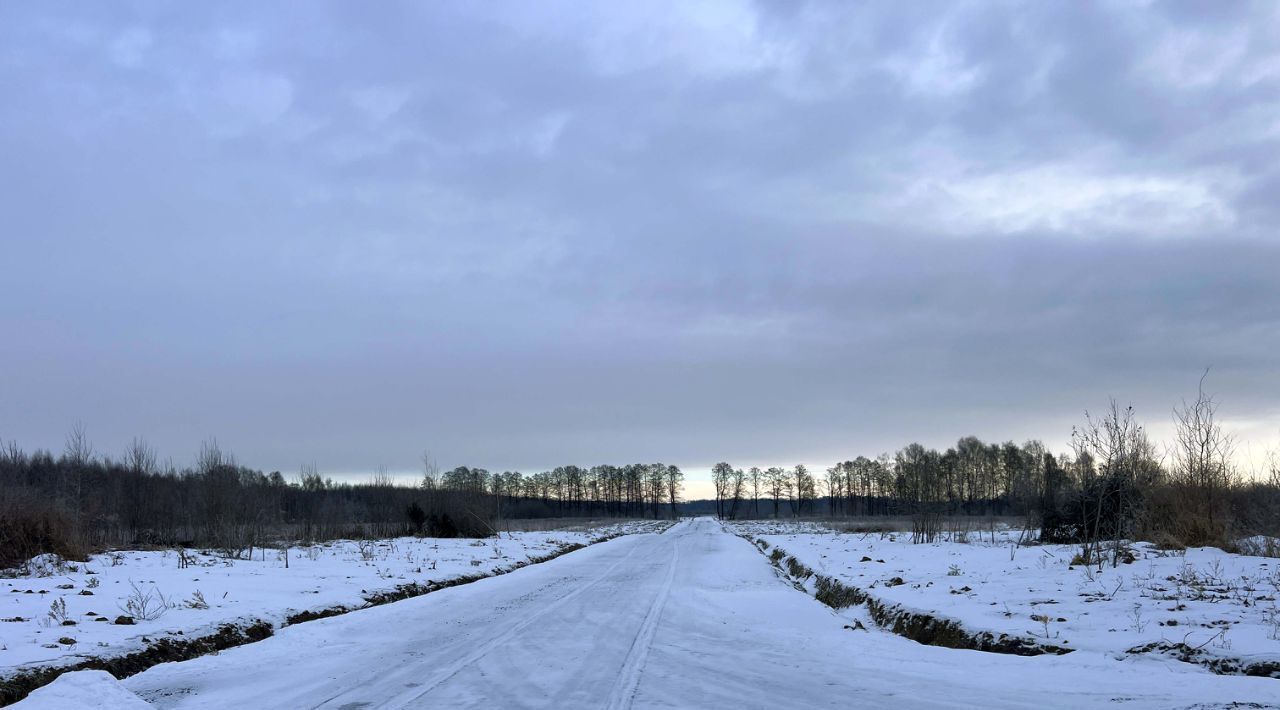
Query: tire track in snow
(458, 666)
(624, 690)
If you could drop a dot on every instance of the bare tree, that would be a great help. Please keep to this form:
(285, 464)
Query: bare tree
(211, 457)
(78, 452)
(430, 471)
(675, 479)
(737, 487)
(755, 475)
(720, 475)
(1124, 459)
(804, 489)
(139, 457)
(778, 482)
(77, 449)
(1202, 469)
(381, 477)
(656, 485)
(835, 487)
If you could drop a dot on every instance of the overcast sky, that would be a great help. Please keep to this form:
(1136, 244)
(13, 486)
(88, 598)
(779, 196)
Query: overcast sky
(529, 234)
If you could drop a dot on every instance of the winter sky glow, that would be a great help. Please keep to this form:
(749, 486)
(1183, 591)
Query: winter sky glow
(529, 234)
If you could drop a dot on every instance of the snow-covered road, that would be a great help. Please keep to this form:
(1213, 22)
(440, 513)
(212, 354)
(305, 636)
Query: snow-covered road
(695, 617)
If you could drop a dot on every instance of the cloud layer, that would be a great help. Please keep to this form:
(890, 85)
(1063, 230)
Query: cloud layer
(522, 235)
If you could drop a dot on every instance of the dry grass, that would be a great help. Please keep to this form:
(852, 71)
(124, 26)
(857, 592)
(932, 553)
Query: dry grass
(558, 524)
(957, 526)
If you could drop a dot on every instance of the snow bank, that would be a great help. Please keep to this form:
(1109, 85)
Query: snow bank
(82, 690)
(1226, 606)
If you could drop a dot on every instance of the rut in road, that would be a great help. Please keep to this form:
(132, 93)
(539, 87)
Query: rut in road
(443, 675)
(629, 678)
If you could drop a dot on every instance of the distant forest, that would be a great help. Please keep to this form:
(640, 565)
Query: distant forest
(78, 502)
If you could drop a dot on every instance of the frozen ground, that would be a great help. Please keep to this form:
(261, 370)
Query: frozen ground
(1224, 604)
(214, 590)
(693, 618)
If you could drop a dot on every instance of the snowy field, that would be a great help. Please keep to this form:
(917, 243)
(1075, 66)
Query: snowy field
(1219, 604)
(693, 618)
(53, 614)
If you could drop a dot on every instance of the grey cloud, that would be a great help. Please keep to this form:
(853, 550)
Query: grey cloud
(524, 237)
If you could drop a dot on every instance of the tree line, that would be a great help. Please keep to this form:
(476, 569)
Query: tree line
(78, 502)
(1114, 484)
(970, 478)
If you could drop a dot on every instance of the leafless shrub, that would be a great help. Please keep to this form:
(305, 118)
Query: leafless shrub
(196, 601)
(58, 610)
(1135, 616)
(144, 605)
(1271, 617)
